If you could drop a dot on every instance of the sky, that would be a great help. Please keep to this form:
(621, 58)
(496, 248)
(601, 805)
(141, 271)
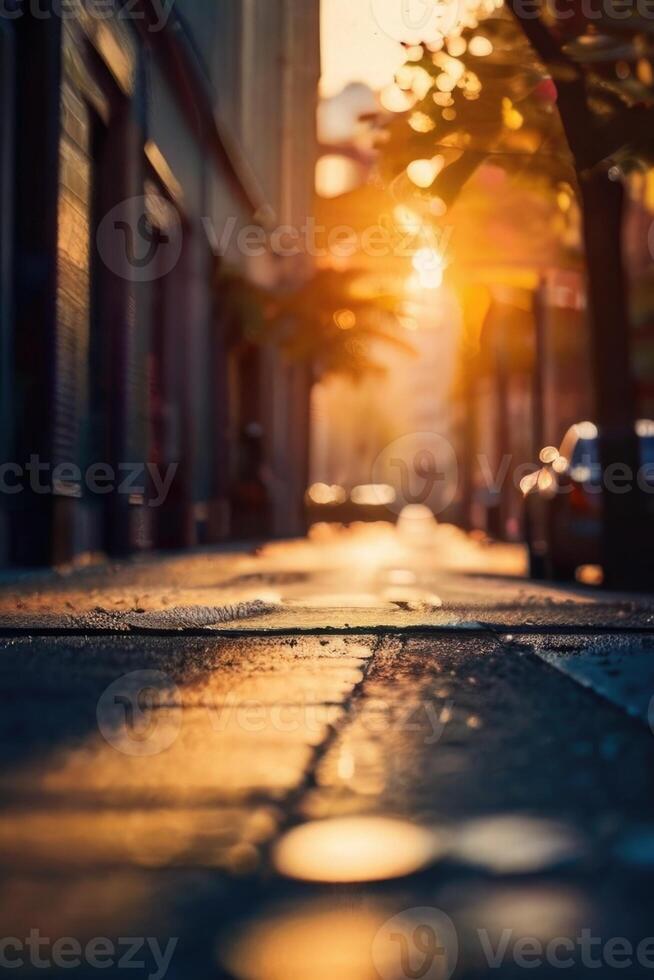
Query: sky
(355, 48)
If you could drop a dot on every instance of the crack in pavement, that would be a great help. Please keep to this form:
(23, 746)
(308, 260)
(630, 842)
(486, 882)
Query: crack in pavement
(292, 801)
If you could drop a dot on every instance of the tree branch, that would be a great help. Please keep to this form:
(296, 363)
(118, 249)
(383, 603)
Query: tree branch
(576, 116)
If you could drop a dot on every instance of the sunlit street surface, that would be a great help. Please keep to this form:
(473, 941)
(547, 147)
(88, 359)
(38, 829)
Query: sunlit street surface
(326, 489)
(283, 763)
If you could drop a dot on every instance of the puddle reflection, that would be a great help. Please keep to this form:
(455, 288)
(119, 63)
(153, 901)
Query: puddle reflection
(356, 849)
(540, 911)
(517, 844)
(314, 941)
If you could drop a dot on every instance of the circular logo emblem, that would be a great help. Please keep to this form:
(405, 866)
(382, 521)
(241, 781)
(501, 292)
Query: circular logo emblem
(129, 717)
(417, 944)
(416, 21)
(422, 467)
(140, 239)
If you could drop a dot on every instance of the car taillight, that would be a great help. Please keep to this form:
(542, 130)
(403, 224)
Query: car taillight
(579, 499)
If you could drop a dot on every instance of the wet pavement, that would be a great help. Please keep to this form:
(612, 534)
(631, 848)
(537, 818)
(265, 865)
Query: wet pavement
(361, 756)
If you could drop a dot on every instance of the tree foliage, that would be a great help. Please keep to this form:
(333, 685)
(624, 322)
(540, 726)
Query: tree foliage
(502, 106)
(327, 322)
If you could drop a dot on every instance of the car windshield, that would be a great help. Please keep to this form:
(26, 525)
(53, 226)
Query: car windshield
(647, 451)
(586, 454)
(585, 464)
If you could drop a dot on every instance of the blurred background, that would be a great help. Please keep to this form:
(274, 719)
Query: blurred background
(324, 261)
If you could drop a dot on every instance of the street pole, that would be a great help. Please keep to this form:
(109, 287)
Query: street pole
(627, 558)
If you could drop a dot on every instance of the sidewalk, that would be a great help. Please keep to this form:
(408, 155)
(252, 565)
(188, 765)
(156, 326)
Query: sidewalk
(371, 578)
(262, 797)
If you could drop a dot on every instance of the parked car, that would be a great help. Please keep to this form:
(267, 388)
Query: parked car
(337, 505)
(563, 501)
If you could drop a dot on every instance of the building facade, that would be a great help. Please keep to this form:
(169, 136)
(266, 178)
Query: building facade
(150, 134)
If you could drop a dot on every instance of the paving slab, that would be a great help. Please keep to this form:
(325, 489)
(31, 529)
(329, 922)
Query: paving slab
(615, 666)
(535, 789)
(456, 727)
(208, 784)
(68, 840)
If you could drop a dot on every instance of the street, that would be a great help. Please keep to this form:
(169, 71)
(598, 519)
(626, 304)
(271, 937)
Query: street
(374, 752)
(326, 489)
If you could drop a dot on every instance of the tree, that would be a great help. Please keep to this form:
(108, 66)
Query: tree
(328, 322)
(554, 98)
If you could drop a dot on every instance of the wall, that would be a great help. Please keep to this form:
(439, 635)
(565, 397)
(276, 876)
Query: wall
(112, 365)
